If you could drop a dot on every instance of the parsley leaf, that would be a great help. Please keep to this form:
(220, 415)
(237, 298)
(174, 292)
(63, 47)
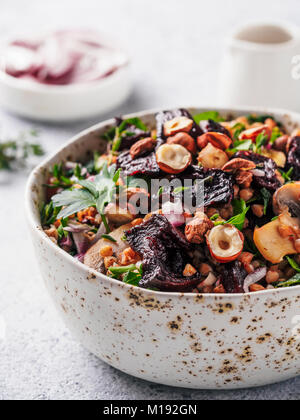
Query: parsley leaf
(252, 118)
(237, 129)
(49, 213)
(238, 220)
(261, 140)
(276, 133)
(294, 281)
(132, 278)
(115, 134)
(241, 145)
(209, 115)
(132, 274)
(97, 193)
(293, 264)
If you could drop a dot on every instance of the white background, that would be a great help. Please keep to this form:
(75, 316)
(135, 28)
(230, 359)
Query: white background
(176, 48)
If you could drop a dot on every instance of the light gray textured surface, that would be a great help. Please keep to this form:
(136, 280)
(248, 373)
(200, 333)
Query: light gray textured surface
(176, 47)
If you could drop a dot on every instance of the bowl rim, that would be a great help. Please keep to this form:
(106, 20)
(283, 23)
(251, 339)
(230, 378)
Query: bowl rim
(37, 228)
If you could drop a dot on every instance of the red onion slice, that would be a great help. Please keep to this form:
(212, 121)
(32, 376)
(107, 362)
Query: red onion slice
(254, 277)
(19, 61)
(174, 213)
(258, 172)
(63, 58)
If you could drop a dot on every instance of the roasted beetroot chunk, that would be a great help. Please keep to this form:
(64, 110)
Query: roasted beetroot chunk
(218, 187)
(267, 166)
(165, 116)
(233, 276)
(164, 252)
(213, 126)
(293, 158)
(144, 165)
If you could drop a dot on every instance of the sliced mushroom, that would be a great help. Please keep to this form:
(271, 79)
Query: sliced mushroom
(271, 244)
(93, 258)
(118, 215)
(278, 157)
(287, 198)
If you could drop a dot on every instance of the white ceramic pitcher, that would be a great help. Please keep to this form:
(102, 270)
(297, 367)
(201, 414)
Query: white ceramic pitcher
(261, 66)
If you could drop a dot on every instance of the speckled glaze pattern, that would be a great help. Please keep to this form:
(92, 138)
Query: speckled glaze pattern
(188, 340)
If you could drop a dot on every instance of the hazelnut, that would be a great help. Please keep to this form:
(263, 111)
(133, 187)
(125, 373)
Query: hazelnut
(225, 243)
(212, 157)
(281, 143)
(270, 123)
(184, 140)
(219, 140)
(141, 147)
(258, 210)
(177, 125)
(196, 229)
(244, 178)
(173, 158)
(272, 276)
(246, 194)
(202, 142)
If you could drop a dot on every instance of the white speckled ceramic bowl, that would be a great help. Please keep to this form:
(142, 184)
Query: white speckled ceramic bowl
(187, 340)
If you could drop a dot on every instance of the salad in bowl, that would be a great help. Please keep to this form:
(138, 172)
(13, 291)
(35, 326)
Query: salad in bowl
(202, 203)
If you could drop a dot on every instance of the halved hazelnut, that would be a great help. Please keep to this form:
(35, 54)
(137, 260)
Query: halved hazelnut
(184, 140)
(177, 125)
(252, 133)
(225, 243)
(218, 140)
(173, 158)
(212, 157)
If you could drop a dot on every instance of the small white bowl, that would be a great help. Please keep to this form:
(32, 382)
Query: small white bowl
(64, 103)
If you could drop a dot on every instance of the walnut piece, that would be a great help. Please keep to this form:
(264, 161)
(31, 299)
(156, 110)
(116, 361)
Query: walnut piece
(196, 229)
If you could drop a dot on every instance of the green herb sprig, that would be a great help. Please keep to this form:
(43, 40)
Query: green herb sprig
(294, 281)
(132, 273)
(293, 264)
(14, 154)
(240, 211)
(115, 134)
(97, 193)
(208, 115)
